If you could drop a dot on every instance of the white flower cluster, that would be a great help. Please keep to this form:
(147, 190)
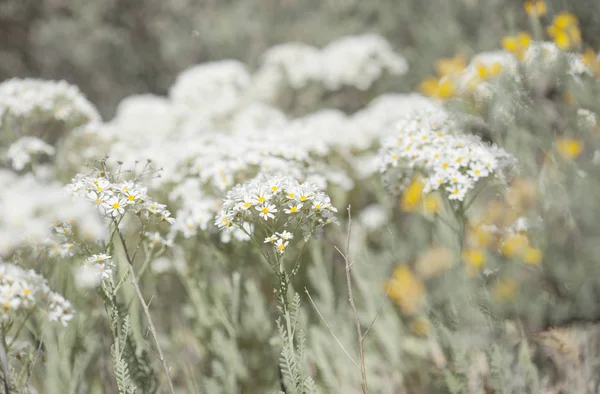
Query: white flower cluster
(211, 89)
(23, 151)
(94, 270)
(29, 209)
(428, 145)
(44, 100)
(350, 61)
(23, 292)
(276, 205)
(114, 198)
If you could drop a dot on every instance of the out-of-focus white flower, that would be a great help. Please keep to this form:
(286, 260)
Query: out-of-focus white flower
(29, 210)
(21, 152)
(373, 217)
(39, 100)
(214, 89)
(23, 291)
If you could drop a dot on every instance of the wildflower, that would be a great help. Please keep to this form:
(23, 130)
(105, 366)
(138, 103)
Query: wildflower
(535, 8)
(292, 209)
(591, 61)
(285, 235)
(517, 44)
(406, 290)
(434, 262)
(514, 245)
(266, 211)
(420, 325)
(271, 239)
(474, 258)
(441, 88)
(568, 148)
(411, 198)
(532, 256)
(451, 66)
(280, 245)
(565, 31)
(115, 206)
(24, 291)
(443, 159)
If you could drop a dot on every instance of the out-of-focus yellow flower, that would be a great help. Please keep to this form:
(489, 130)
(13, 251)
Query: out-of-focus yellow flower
(474, 258)
(522, 194)
(493, 212)
(486, 71)
(532, 256)
(412, 196)
(569, 148)
(479, 237)
(514, 245)
(517, 44)
(535, 8)
(591, 60)
(565, 31)
(420, 325)
(406, 290)
(432, 203)
(505, 289)
(434, 262)
(441, 88)
(447, 67)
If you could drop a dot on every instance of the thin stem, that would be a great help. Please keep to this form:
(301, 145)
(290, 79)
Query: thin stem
(329, 328)
(147, 313)
(353, 306)
(4, 363)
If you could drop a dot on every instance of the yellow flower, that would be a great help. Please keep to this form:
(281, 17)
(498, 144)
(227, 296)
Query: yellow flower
(565, 31)
(591, 60)
(532, 256)
(434, 262)
(488, 71)
(517, 44)
(420, 325)
(565, 20)
(447, 67)
(412, 196)
(535, 8)
(514, 245)
(474, 258)
(441, 88)
(569, 148)
(406, 290)
(432, 203)
(505, 289)
(479, 237)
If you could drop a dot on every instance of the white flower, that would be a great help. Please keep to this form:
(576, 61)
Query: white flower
(115, 206)
(280, 245)
(285, 235)
(266, 211)
(271, 239)
(293, 209)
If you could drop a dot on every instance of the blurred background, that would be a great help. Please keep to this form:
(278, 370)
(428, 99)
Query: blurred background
(112, 49)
